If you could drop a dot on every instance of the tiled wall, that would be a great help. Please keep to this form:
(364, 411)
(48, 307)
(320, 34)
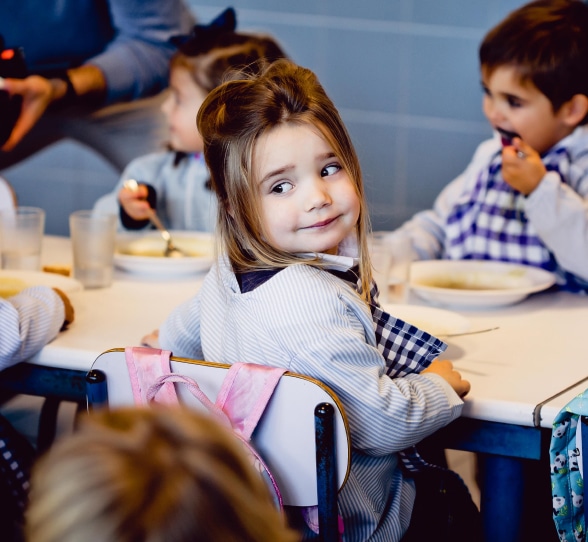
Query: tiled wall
(403, 74)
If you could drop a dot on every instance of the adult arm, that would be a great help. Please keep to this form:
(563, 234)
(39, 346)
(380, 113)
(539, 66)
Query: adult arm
(28, 321)
(133, 65)
(38, 93)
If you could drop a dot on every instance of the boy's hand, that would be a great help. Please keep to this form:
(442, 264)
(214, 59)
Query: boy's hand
(444, 368)
(134, 202)
(69, 310)
(522, 167)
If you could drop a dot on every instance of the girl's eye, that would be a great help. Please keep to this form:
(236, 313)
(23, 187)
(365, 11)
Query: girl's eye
(485, 90)
(513, 102)
(282, 188)
(331, 169)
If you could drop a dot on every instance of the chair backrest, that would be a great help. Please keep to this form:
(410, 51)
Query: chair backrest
(285, 435)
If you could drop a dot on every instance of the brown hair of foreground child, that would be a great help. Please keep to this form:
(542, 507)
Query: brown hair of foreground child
(150, 475)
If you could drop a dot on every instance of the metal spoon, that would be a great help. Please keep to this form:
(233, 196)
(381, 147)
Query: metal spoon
(171, 251)
(474, 332)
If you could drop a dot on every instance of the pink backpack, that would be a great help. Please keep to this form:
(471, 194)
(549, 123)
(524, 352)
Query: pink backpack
(242, 399)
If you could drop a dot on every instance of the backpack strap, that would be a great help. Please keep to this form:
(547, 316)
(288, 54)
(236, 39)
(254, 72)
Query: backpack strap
(145, 366)
(245, 393)
(242, 399)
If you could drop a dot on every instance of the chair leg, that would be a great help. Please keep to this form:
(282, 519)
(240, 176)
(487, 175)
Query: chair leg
(326, 465)
(47, 424)
(96, 389)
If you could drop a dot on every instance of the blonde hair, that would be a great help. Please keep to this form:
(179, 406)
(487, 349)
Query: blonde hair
(231, 120)
(150, 475)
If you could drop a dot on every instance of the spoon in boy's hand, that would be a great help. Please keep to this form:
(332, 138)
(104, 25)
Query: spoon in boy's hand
(171, 251)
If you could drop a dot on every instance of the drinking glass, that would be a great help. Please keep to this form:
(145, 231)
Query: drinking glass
(21, 231)
(93, 238)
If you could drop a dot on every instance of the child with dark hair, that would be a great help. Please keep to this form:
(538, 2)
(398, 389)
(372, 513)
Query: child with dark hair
(176, 182)
(524, 196)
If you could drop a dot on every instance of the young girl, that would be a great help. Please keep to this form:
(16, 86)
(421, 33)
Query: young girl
(147, 474)
(292, 288)
(176, 182)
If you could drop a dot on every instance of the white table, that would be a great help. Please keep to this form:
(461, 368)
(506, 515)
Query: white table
(116, 316)
(519, 375)
(105, 318)
(536, 354)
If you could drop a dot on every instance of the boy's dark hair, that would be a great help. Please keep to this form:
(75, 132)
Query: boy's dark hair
(546, 41)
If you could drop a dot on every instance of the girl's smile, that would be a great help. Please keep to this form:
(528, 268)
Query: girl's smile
(308, 201)
(323, 223)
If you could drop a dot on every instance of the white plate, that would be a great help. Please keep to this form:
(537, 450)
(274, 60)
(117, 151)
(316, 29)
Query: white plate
(143, 253)
(476, 283)
(24, 279)
(430, 319)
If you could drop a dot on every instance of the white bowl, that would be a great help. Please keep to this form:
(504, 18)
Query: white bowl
(476, 283)
(142, 253)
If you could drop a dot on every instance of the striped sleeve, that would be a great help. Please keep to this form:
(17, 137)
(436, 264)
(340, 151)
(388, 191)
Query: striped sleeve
(28, 321)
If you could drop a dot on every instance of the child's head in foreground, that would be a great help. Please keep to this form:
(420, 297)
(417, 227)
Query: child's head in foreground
(200, 65)
(150, 475)
(534, 67)
(284, 170)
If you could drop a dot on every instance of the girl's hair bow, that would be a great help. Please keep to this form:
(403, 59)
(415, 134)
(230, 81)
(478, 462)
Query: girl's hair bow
(203, 37)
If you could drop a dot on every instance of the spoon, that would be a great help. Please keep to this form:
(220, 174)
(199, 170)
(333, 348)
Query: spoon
(171, 251)
(460, 334)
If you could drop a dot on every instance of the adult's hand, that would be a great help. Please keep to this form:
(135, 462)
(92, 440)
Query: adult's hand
(39, 92)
